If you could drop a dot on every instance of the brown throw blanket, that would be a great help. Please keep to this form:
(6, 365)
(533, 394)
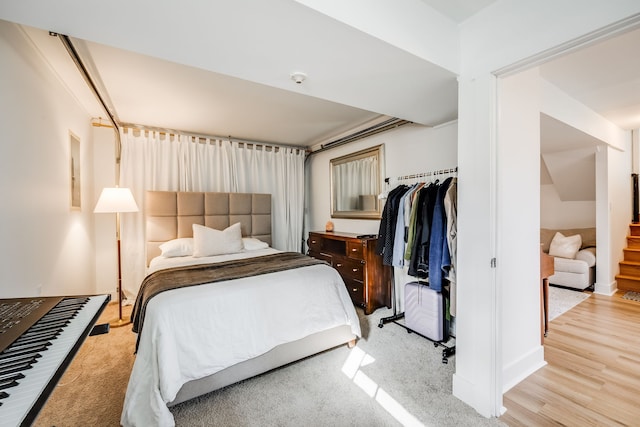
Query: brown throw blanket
(178, 277)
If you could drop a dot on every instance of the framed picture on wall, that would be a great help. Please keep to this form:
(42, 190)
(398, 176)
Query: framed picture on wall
(74, 143)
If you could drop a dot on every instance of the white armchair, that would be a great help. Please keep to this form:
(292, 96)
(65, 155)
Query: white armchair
(573, 270)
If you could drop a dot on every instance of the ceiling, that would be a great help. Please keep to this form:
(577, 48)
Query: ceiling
(232, 78)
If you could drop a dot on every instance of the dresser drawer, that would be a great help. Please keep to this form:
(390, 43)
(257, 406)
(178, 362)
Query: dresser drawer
(320, 255)
(355, 250)
(349, 268)
(315, 244)
(356, 291)
(354, 257)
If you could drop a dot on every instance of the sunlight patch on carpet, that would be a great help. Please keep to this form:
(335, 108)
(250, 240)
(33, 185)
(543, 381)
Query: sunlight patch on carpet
(351, 368)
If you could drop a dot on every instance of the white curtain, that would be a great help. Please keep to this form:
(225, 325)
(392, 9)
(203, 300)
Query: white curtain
(154, 161)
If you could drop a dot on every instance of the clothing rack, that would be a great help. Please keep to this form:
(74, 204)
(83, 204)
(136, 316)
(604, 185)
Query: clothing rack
(418, 176)
(447, 350)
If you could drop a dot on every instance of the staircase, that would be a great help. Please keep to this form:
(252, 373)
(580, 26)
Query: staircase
(629, 277)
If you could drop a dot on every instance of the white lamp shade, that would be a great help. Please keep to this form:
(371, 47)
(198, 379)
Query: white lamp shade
(116, 199)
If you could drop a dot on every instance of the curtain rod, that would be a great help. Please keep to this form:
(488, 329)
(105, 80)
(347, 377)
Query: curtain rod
(389, 124)
(174, 132)
(73, 53)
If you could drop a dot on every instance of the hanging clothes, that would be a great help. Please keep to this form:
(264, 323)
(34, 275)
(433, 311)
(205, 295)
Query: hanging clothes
(402, 222)
(386, 232)
(419, 263)
(439, 259)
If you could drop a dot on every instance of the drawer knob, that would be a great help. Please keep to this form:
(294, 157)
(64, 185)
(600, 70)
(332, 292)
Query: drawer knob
(354, 269)
(354, 290)
(338, 265)
(354, 249)
(313, 241)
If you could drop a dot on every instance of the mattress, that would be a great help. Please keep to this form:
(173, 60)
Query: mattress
(191, 333)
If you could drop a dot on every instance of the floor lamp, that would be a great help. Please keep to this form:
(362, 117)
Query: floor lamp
(117, 200)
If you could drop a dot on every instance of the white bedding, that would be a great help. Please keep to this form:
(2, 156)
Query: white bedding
(193, 332)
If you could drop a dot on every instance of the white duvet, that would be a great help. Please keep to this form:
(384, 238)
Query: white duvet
(193, 332)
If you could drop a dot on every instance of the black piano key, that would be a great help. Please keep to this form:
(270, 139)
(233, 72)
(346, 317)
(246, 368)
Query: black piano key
(30, 347)
(38, 335)
(76, 301)
(18, 360)
(8, 384)
(11, 377)
(52, 325)
(29, 351)
(15, 368)
(3, 395)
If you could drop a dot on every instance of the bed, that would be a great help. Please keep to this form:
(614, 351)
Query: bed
(195, 339)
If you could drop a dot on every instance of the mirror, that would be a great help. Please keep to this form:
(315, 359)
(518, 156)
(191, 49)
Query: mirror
(355, 184)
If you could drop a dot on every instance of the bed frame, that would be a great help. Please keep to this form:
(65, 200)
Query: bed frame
(171, 214)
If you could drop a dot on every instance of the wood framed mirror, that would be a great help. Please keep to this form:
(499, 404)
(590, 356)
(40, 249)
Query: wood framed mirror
(356, 182)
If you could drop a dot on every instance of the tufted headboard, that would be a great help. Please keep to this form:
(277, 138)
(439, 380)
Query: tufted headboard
(171, 214)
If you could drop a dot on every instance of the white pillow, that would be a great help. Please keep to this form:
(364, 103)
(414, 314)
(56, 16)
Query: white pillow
(177, 247)
(565, 247)
(209, 241)
(253, 244)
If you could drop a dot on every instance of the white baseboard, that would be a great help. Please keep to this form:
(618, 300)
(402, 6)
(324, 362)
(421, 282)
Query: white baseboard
(606, 289)
(468, 393)
(522, 368)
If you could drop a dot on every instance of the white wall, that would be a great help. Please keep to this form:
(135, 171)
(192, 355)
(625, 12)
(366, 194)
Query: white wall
(518, 273)
(47, 248)
(555, 213)
(408, 149)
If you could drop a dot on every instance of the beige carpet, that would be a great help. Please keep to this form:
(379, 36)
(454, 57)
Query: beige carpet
(399, 380)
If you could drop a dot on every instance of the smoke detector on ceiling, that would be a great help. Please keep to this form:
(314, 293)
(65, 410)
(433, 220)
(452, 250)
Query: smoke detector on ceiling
(298, 77)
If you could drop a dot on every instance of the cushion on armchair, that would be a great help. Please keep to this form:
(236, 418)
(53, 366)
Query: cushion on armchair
(565, 247)
(588, 236)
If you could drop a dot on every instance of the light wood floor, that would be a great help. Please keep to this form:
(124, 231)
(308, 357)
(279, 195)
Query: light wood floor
(593, 373)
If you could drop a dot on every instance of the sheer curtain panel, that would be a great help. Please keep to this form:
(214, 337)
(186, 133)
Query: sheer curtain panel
(157, 161)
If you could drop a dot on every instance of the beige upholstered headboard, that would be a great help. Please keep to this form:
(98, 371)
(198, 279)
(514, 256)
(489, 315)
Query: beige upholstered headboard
(171, 214)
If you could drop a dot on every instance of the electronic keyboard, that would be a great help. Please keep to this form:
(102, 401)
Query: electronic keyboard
(38, 339)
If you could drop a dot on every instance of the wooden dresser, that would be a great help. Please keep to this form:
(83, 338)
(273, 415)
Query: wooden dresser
(367, 279)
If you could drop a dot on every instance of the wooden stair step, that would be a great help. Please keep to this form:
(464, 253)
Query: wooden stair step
(634, 229)
(631, 254)
(628, 283)
(633, 242)
(630, 268)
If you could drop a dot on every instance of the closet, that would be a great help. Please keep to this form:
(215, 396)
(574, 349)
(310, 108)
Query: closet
(417, 237)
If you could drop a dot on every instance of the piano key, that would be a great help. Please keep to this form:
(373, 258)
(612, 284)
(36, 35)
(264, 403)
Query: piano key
(15, 368)
(30, 337)
(21, 357)
(36, 348)
(10, 380)
(26, 399)
(6, 356)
